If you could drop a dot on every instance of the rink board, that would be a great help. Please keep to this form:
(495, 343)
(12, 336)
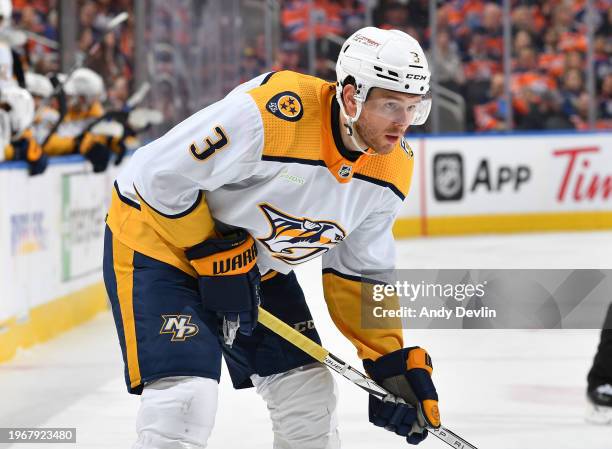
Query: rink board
(513, 183)
(51, 233)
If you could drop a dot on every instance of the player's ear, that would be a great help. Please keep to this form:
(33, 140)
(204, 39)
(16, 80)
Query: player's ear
(348, 96)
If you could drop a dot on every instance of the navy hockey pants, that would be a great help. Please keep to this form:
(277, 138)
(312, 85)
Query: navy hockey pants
(164, 331)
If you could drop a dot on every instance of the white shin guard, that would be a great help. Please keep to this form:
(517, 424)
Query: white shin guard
(176, 413)
(302, 405)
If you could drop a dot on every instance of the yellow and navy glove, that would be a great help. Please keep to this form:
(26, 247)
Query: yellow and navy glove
(27, 149)
(413, 403)
(229, 281)
(96, 149)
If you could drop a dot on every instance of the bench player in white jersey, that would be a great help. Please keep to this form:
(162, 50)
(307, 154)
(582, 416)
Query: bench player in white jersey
(208, 221)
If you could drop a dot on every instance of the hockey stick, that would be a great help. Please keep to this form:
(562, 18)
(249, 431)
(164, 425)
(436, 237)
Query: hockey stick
(322, 355)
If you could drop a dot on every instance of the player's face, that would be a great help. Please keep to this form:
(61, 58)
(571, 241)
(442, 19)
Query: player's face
(385, 118)
(78, 103)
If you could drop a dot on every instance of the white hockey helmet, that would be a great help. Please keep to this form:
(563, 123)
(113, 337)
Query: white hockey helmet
(86, 83)
(6, 11)
(389, 59)
(38, 85)
(20, 107)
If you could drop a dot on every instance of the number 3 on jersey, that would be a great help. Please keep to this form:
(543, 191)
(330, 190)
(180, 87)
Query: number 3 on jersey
(210, 146)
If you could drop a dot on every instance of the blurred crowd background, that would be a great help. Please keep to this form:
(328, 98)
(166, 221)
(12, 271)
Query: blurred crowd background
(194, 51)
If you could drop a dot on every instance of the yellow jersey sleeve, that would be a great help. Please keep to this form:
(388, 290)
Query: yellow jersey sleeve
(347, 285)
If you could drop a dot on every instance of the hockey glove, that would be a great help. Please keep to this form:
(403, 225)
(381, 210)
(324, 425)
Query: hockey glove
(27, 149)
(413, 403)
(95, 149)
(229, 281)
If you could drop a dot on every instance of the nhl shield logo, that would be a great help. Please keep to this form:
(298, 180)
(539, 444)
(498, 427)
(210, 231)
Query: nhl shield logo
(448, 176)
(286, 105)
(345, 171)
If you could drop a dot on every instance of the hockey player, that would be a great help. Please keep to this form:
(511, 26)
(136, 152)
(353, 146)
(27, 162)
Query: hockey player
(599, 390)
(11, 66)
(208, 221)
(84, 91)
(18, 106)
(45, 116)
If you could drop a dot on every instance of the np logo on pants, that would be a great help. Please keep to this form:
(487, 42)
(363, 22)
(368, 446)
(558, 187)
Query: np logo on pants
(180, 326)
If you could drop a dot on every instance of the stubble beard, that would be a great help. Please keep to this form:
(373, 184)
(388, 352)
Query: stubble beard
(368, 136)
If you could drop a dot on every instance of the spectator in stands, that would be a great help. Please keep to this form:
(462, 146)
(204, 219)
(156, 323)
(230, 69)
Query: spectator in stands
(550, 114)
(574, 60)
(86, 40)
(573, 85)
(540, 111)
(30, 20)
(108, 61)
(250, 65)
(491, 115)
(447, 65)
(522, 39)
(605, 101)
(289, 58)
(603, 56)
(298, 14)
(352, 15)
(118, 93)
(480, 62)
(580, 115)
(395, 16)
(492, 19)
(491, 27)
(605, 28)
(550, 59)
(87, 15)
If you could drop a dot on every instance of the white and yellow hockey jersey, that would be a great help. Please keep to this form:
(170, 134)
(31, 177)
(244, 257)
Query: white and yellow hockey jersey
(269, 158)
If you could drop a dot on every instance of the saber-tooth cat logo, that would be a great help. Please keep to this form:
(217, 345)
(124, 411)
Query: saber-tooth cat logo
(297, 239)
(180, 326)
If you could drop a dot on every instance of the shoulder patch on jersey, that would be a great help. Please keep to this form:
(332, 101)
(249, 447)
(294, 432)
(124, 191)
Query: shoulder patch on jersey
(286, 105)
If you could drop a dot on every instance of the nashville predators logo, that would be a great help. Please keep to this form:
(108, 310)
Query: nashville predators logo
(295, 240)
(286, 105)
(180, 326)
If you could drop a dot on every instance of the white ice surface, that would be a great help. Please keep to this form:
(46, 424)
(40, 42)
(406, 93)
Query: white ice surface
(499, 389)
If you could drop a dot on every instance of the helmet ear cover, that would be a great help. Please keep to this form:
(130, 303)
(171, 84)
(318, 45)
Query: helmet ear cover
(350, 79)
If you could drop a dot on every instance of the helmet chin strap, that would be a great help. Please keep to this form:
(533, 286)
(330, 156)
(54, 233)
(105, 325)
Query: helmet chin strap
(349, 125)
